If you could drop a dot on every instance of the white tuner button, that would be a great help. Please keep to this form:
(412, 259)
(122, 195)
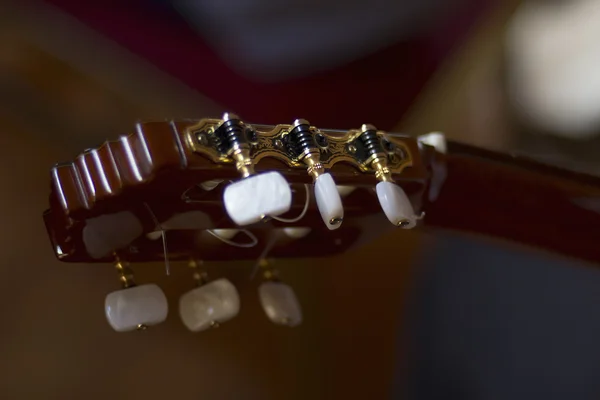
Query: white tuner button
(279, 302)
(296, 233)
(249, 200)
(345, 190)
(210, 185)
(226, 234)
(135, 307)
(396, 205)
(213, 303)
(435, 139)
(154, 235)
(329, 201)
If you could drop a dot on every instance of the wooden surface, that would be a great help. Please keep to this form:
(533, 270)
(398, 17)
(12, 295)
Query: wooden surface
(519, 200)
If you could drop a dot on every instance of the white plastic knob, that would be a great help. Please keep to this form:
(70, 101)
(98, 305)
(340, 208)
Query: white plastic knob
(435, 139)
(296, 233)
(210, 185)
(104, 234)
(215, 302)
(279, 302)
(249, 200)
(130, 308)
(329, 201)
(396, 205)
(345, 190)
(226, 234)
(154, 235)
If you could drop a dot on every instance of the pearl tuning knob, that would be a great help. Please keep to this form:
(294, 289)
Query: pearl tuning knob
(435, 139)
(135, 307)
(208, 305)
(396, 205)
(280, 304)
(251, 199)
(255, 196)
(303, 141)
(296, 232)
(329, 201)
(278, 300)
(394, 202)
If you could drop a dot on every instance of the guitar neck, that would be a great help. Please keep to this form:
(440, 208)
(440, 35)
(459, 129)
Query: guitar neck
(520, 200)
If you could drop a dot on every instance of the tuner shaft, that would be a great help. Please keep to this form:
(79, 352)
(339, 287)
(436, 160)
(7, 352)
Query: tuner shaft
(303, 145)
(232, 136)
(376, 156)
(393, 200)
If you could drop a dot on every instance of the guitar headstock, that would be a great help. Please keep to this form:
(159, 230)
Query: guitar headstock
(223, 189)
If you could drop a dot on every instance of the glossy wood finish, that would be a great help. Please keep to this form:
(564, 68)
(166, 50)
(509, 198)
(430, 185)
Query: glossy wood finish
(519, 200)
(150, 171)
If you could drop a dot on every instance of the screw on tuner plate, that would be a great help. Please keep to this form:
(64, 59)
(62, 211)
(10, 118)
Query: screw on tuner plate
(393, 199)
(210, 304)
(306, 146)
(255, 195)
(134, 307)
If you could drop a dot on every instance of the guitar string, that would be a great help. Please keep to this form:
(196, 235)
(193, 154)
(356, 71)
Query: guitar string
(252, 243)
(164, 239)
(187, 199)
(304, 210)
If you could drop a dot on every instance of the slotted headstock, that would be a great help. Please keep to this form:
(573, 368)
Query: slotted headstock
(171, 177)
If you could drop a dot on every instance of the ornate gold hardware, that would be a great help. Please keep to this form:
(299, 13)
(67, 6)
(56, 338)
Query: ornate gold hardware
(377, 159)
(270, 141)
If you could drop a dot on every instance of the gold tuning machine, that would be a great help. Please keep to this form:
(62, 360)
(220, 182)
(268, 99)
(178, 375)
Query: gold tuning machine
(376, 156)
(306, 148)
(232, 135)
(256, 196)
(393, 200)
(210, 303)
(135, 307)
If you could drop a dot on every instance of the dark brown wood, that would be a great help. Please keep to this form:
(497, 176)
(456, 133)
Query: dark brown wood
(520, 200)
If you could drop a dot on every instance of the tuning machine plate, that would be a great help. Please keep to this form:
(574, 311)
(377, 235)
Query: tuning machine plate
(273, 141)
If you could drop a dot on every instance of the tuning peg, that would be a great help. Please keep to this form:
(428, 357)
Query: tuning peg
(306, 145)
(345, 191)
(438, 169)
(278, 300)
(210, 185)
(255, 196)
(210, 304)
(396, 205)
(392, 198)
(226, 234)
(134, 307)
(435, 139)
(296, 232)
(251, 199)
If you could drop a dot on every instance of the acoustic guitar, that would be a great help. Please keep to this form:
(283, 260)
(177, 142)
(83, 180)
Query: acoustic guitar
(223, 189)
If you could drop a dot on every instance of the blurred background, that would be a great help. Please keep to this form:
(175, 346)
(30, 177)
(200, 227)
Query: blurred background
(514, 76)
